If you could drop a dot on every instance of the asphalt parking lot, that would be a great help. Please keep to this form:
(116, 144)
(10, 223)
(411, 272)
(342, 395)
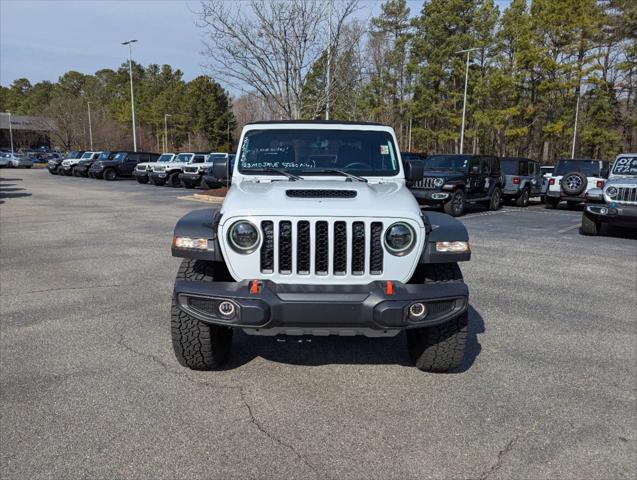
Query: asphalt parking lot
(90, 387)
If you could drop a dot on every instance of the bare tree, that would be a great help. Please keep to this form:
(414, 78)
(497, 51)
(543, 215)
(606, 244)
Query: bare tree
(271, 46)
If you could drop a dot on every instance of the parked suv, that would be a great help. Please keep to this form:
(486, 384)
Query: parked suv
(168, 174)
(121, 165)
(81, 169)
(69, 164)
(572, 178)
(142, 169)
(455, 180)
(522, 180)
(195, 170)
(53, 164)
(616, 202)
(318, 235)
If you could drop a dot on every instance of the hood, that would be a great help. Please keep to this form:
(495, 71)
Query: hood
(624, 180)
(443, 173)
(390, 199)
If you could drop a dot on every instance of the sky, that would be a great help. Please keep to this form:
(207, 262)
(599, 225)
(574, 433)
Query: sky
(42, 39)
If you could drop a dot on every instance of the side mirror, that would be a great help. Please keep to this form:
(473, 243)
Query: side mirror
(220, 170)
(414, 170)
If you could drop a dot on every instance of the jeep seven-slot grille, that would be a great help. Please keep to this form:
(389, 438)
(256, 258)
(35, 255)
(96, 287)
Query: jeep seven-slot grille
(626, 195)
(321, 247)
(427, 182)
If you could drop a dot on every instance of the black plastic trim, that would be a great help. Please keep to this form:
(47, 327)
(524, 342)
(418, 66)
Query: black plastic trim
(199, 224)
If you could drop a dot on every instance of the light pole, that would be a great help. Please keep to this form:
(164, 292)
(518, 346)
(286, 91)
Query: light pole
(464, 101)
(166, 115)
(579, 94)
(132, 95)
(90, 128)
(10, 133)
(329, 62)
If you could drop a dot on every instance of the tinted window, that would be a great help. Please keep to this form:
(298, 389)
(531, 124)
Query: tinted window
(587, 167)
(307, 151)
(199, 159)
(524, 167)
(120, 156)
(132, 157)
(447, 162)
(475, 166)
(509, 166)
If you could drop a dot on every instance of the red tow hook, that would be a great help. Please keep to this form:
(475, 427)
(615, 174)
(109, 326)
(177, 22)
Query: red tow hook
(389, 287)
(255, 287)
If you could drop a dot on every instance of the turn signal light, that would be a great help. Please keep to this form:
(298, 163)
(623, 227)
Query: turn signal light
(516, 180)
(600, 183)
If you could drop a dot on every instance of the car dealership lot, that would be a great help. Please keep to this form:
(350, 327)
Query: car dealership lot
(90, 386)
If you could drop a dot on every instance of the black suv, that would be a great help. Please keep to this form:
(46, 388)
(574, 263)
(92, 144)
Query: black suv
(210, 181)
(121, 165)
(83, 166)
(455, 180)
(54, 163)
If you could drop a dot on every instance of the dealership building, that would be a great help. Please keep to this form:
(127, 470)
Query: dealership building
(27, 132)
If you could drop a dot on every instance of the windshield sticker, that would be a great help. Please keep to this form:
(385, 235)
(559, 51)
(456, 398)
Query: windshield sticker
(626, 166)
(384, 149)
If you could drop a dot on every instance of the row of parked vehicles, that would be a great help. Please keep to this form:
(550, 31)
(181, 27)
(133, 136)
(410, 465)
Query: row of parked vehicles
(189, 169)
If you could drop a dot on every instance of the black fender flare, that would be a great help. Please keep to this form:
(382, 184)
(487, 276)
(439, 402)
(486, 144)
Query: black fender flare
(441, 227)
(199, 224)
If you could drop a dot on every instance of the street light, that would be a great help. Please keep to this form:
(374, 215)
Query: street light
(132, 95)
(464, 102)
(166, 115)
(10, 132)
(90, 129)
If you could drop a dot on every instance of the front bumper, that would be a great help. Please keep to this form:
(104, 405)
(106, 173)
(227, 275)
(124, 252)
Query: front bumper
(613, 213)
(82, 169)
(432, 197)
(53, 168)
(160, 175)
(140, 173)
(190, 178)
(368, 310)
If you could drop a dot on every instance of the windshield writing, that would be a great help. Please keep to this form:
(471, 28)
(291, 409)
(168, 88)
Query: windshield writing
(307, 151)
(625, 166)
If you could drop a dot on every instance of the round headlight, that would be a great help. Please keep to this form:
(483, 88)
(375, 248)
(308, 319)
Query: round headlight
(243, 237)
(438, 182)
(400, 238)
(611, 192)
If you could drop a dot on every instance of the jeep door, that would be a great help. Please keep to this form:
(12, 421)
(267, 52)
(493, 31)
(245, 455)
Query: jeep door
(535, 177)
(476, 177)
(129, 163)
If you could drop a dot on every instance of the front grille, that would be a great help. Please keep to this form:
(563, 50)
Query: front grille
(626, 195)
(191, 169)
(439, 308)
(321, 193)
(427, 182)
(321, 247)
(141, 168)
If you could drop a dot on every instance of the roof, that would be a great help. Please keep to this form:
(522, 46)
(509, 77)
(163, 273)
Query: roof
(316, 122)
(21, 122)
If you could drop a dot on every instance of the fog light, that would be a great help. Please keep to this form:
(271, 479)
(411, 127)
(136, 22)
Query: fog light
(226, 309)
(417, 311)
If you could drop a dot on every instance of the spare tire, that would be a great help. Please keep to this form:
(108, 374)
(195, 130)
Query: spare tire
(573, 183)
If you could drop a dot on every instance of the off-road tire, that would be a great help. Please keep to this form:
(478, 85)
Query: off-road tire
(590, 226)
(456, 205)
(551, 203)
(76, 172)
(524, 199)
(187, 185)
(110, 174)
(495, 202)
(441, 347)
(564, 184)
(142, 180)
(173, 180)
(197, 345)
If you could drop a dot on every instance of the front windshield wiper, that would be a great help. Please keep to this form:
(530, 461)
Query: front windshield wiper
(349, 176)
(280, 171)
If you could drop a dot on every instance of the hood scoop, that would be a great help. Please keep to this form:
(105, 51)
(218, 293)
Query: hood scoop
(321, 193)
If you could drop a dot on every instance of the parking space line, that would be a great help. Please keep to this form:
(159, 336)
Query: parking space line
(564, 230)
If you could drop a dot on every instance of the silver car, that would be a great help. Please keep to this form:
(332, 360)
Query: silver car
(15, 160)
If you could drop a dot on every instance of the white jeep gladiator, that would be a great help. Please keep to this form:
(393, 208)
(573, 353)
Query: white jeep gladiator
(143, 169)
(319, 235)
(167, 173)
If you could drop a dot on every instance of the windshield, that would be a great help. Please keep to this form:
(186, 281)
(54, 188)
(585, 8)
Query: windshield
(120, 156)
(184, 157)
(587, 167)
(87, 155)
(104, 155)
(446, 162)
(367, 153)
(509, 166)
(166, 157)
(73, 154)
(625, 166)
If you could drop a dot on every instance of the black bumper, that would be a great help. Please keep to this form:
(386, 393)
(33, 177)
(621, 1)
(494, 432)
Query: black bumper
(140, 174)
(190, 178)
(211, 181)
(431, 197)
(563, 197)
(321, 309)
(158, 175)
(612, 213)
(82, 169)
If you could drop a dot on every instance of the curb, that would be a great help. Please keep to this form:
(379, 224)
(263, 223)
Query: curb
(197, 197)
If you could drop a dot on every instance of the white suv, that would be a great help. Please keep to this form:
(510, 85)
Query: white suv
(572, 178)
(66, 168)
(142, 169)
(319, 235)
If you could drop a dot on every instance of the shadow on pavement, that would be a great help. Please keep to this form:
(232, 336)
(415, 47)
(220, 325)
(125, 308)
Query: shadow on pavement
(6, 190)
(316, 351)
